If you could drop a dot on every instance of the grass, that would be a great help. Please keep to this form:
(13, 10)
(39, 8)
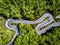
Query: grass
(14, 24)
(46, 25)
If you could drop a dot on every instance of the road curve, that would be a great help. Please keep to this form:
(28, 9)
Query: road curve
(38, 31)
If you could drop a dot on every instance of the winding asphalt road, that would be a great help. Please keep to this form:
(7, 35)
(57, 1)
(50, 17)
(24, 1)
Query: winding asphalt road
(40, 25)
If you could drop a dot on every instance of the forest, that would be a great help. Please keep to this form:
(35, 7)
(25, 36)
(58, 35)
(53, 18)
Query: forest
(29, 10)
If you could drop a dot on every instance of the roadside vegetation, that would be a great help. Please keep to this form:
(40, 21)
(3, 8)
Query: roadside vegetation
(28, 36)
(29, 10)
(25, 9)
(5, 34)
(47, 25)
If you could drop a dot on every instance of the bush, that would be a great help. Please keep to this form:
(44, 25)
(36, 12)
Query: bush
(28, 36)
(30, 10)
(5, 34)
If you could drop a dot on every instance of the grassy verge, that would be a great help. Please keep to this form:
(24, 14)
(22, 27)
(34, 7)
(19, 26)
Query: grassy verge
(47, 25)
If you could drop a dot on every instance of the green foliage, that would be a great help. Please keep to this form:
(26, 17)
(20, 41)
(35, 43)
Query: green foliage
(29, 10)
(28, 36)
(22, 9)
(5, 34)
(53, 6)
(14, 24)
